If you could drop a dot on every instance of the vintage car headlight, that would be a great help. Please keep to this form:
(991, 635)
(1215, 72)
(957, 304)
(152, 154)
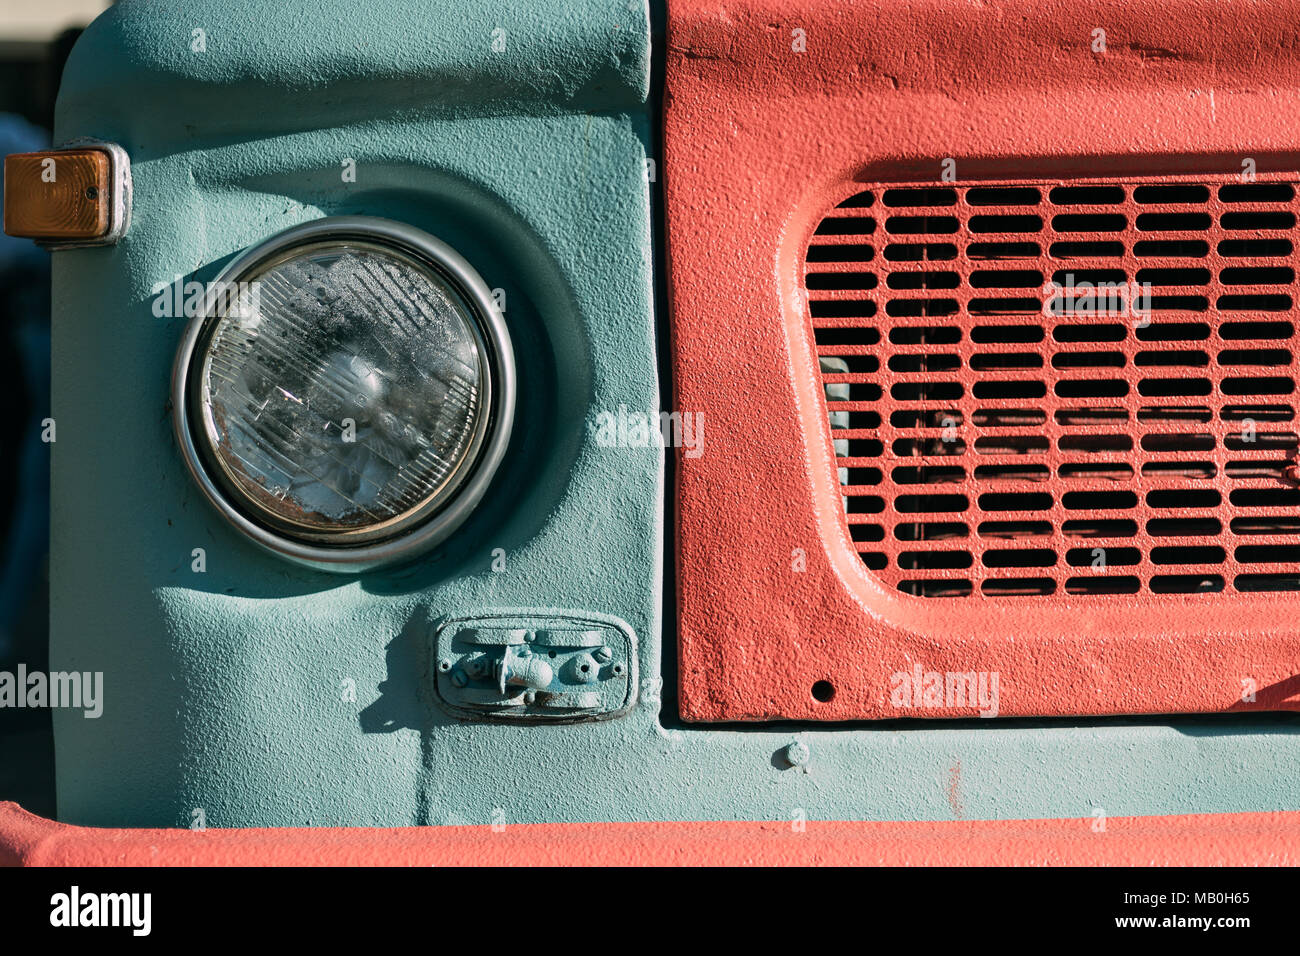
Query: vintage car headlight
(347, 392)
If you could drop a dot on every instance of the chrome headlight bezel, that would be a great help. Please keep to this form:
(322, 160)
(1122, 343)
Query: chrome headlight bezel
(453, 502)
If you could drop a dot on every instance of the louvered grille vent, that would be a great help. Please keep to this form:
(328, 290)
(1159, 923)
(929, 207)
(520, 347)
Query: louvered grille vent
(1131, 429)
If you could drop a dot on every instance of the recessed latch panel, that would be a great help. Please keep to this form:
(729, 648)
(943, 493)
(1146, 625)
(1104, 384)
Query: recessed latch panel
(536, 668)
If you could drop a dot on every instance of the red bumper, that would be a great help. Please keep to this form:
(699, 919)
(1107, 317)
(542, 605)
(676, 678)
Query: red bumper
(1236, 839)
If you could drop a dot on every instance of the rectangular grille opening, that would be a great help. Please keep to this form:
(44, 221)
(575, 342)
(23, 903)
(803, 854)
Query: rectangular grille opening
(1019, 444)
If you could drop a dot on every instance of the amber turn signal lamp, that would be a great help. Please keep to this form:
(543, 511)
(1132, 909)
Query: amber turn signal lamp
(64, 195)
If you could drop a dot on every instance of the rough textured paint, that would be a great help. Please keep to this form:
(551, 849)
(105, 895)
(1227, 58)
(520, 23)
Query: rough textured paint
(817, 98)
(223, 690)
(1236, 839)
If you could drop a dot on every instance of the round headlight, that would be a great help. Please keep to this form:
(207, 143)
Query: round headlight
(347, 392)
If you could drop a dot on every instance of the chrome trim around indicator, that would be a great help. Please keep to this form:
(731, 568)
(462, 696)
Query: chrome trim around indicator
(119, 199)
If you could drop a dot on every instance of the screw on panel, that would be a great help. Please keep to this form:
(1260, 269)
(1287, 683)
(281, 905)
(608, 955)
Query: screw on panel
(604, 655)
(796, 754)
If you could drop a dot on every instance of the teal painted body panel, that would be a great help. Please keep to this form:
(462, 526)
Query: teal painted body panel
(230, 683)
(226, 691)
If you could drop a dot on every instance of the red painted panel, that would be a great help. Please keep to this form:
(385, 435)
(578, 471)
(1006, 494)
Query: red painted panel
(775, 113)
(1228, 839)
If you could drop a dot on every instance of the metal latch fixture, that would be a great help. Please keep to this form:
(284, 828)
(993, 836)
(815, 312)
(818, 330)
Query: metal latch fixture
(536, 668)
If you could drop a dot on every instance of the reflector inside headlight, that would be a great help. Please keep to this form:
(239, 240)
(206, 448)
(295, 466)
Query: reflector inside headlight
(344, 393)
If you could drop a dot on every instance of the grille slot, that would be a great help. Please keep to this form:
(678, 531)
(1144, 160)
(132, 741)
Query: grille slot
(996, 439)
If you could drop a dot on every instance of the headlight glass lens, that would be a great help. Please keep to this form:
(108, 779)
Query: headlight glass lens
(344, 397)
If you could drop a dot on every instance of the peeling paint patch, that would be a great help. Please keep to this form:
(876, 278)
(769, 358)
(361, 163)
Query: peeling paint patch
(954, 790)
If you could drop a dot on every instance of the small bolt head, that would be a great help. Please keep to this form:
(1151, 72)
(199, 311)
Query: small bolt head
(459, 678)
(796, 754)
(603, 654)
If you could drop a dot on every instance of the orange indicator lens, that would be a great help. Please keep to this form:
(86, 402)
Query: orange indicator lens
(57, 194)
